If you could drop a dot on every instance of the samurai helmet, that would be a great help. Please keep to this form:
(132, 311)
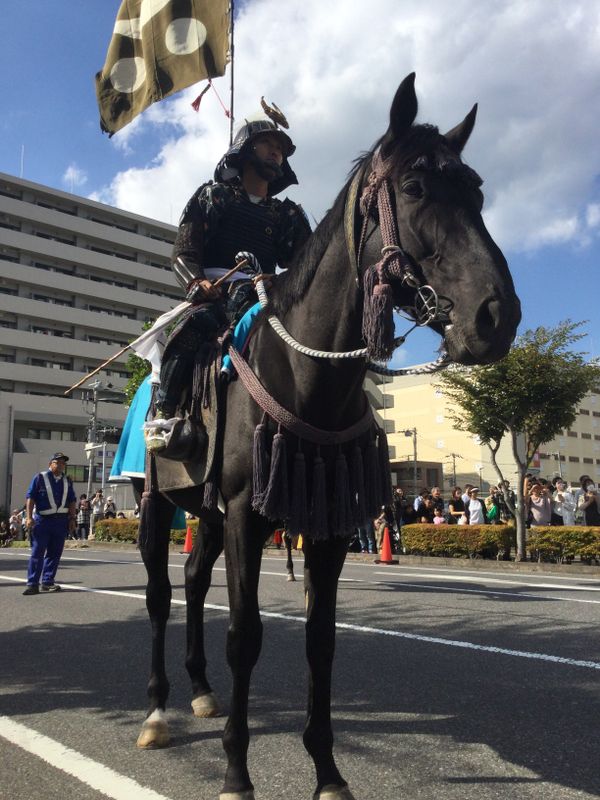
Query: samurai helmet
(229, 167)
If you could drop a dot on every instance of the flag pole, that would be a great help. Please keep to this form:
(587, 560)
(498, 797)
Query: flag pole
(231, 49)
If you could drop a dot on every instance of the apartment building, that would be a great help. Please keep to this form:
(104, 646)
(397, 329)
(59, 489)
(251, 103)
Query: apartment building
(78, 279)
(420, 416)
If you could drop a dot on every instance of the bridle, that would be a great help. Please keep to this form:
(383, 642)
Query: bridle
(378, 195)
(427, 306)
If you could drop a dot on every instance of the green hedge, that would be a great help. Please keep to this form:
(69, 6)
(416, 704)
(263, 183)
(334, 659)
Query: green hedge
(564, 544)
(457, 541)
(126, 530)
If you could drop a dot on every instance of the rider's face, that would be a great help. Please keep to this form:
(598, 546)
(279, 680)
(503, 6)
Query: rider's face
(268, 148)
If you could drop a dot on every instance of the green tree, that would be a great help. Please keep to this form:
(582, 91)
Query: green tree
(530, 396)
(139, 369)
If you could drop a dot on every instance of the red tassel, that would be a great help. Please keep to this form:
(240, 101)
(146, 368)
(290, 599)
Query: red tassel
(196, 103)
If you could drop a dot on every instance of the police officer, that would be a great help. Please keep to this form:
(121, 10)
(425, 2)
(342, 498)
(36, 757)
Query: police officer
(50, 515)
(235, 214)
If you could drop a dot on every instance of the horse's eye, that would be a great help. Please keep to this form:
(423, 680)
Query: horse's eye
(412, 189)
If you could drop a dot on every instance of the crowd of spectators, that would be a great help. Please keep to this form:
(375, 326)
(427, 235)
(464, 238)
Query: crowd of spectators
(548, 502)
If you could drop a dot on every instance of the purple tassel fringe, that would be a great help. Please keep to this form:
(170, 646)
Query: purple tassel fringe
(276, 499)
(298, 522)
(318, 526)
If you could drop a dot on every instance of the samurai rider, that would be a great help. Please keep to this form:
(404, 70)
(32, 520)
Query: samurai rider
(235, 216)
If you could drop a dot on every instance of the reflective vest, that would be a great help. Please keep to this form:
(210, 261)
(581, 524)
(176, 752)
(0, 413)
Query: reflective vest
(54, 509)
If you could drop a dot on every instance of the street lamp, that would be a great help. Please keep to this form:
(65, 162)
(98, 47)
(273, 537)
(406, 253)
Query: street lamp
(557, 457)
(413, 432)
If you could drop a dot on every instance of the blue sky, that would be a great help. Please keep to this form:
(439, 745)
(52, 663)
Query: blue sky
(533, 66)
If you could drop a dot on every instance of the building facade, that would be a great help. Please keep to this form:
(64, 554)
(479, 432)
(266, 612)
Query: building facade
(420, 415)
(78, 279)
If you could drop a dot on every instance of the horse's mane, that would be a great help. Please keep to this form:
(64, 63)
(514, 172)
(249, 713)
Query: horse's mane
(293, 284)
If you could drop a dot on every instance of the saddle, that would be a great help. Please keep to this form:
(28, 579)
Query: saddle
(190, 455)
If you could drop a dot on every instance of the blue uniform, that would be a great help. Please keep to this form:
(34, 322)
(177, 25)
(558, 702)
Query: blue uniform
(51, 525)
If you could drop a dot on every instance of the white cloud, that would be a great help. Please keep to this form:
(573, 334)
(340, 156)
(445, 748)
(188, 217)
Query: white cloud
(534, 68)
(74, 177)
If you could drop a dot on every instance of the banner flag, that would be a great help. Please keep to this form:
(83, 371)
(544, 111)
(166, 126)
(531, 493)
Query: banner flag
(159, 47)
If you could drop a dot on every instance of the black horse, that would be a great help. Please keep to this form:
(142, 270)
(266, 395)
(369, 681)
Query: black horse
(436, 202)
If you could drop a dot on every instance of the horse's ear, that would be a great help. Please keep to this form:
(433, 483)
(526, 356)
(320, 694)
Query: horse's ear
(404, 108)
(458, 137)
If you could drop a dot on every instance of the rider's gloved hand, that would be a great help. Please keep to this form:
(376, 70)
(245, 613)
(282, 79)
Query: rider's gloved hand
(201, 290)
(253, 265)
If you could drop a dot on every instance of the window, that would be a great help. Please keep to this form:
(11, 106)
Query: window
(596, 413)
(588, 460)
(53, 268)
(574, 459)
(7, 358)
(70, 211)
(586, 435)
(11, 290)
(584, 411)
(572, 434)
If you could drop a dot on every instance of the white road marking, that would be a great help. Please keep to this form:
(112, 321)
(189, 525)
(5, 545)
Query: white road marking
(573, 662)
(97, 776)
(473, 579)
(462, 589)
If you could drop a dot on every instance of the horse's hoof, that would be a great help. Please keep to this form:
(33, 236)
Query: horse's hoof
(291, 576)
(154, 733)
(206, 705)
(332, 792)
(247, 795)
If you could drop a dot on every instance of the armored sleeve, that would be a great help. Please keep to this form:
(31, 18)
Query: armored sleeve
(186, 260)
(295, 229)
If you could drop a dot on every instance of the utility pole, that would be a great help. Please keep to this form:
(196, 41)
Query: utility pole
(454, 456)
(413, 432)
(557, 457)
(91, 445)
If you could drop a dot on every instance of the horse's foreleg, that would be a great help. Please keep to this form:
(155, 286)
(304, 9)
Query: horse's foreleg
(244, 539)
(198, 570)
(322, 568)
(289, 564)
(155, 554)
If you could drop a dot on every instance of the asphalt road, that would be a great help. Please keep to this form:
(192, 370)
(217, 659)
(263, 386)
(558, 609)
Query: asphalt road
(447, 684)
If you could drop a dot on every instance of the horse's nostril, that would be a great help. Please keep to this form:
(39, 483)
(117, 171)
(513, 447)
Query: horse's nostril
(489, 316)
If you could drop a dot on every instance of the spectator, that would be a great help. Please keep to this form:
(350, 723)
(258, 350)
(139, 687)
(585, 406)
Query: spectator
(83, 518)
(4, 533)
(15, 525)
(366, 537)
(438, 517)
(120, 515)
(475, 508)
(504, 496)
(383, 521)
(563, 503)
(456, 506)
(97, 508)
(426, 510)
(438, 500)
(539, 504)
(110, 509)
(403, 509)
(465, 495)
(492, 509)
(589, 502)
(51, 512)
(420, 499)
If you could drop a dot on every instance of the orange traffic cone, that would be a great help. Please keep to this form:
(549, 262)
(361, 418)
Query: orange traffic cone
(385, 556)
(187, 547)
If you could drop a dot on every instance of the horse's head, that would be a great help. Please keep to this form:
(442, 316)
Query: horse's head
(441, 241)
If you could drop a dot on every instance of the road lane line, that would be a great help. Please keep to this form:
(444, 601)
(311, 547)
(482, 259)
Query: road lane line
(462, 589)
(346, 626)
(97, 776)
